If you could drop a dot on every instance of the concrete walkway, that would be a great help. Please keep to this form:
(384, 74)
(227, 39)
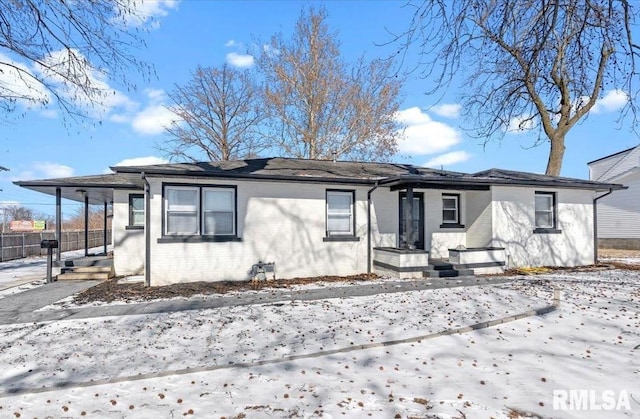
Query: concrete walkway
(20, 308)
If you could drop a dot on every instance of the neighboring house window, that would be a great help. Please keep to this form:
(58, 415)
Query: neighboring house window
(204, 211)
(545, 212)
(340, 213)
(136, 210)
(451, 211)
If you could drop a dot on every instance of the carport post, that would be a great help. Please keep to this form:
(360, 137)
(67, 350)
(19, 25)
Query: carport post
(104, 229)
(58, 222)
(86, 224)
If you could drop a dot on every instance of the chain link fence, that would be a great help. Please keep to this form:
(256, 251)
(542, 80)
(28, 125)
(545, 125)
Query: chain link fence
(22, 245)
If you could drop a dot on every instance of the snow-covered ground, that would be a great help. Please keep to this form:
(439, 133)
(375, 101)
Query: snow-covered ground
(308, 359)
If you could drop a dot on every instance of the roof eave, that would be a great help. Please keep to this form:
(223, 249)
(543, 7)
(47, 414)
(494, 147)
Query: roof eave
(246, 176)
(611, 155)
(397, 180)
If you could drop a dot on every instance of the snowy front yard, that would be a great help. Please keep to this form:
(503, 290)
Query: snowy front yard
(302, 359)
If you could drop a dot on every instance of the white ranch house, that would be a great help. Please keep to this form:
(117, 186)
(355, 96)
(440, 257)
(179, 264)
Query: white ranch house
(288, 218)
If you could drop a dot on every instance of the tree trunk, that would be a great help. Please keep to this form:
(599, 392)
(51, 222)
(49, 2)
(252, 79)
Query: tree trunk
(556, 153)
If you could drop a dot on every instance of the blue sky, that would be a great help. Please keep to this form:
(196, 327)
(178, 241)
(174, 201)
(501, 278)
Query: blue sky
(185, 34)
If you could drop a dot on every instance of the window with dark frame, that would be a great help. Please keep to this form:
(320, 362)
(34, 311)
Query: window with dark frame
(451, 209)
(208, 211)
(545, 211)
(218, 211)
(340, 213)
(136, 210)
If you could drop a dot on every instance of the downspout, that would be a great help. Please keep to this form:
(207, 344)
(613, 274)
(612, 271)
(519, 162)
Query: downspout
(595, 225)
(147, 231)
(86, 224)
(369, 226)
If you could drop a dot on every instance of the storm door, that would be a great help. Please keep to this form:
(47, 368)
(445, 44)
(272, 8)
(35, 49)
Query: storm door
(417, 235)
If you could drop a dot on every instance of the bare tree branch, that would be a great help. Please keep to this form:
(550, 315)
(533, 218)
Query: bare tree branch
(218, 116)
(544, 63)
(62, 51)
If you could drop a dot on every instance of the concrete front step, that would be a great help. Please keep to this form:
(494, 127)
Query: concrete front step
(87, 273)
(87, 261)
(88, 269)
(447, 273)
(85, 276)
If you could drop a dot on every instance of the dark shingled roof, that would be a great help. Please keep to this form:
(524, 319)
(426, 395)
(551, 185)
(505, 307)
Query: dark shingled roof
(513, 177)
(390, 174)
(99, 188)
(275, 168)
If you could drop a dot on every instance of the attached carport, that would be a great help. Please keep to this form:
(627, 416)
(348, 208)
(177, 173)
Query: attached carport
(89, 190)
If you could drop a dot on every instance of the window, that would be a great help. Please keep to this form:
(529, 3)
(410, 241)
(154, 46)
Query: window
(450, 214)
(199, 212)
(218, 211)
(340, 214)
(451, 211)
(545, 212)
(136, 210)
(181, 204)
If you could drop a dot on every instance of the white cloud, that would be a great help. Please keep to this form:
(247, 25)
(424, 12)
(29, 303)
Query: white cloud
(81, 84)
(142, 161)
(520, 124)
(53, 169)
(231, 43)
(140, 12)
(17, 81)
(447, 110)
(423, 135)
(153, 119)
(448, 159)
(137, 161)
(240, 60)
(612, 101)
(44, 170)
(71, 75)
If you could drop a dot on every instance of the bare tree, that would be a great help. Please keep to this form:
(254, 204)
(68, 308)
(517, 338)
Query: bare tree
(320, 107)
(62, 51)
(218, 113)
(542, 64)
(76, 220)
(18, 213)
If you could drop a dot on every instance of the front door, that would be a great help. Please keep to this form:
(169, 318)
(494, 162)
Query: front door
(418, 220)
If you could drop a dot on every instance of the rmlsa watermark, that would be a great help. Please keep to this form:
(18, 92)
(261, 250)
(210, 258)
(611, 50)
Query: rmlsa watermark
(581, 399)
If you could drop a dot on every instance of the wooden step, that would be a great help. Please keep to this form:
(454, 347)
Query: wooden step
(85, 276)
(89, 269)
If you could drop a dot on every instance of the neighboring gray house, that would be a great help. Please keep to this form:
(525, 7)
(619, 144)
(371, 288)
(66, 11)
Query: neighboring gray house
(215, 221)
(619, 214)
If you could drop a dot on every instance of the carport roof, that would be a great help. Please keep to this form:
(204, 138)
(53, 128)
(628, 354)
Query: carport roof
(99, 188)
